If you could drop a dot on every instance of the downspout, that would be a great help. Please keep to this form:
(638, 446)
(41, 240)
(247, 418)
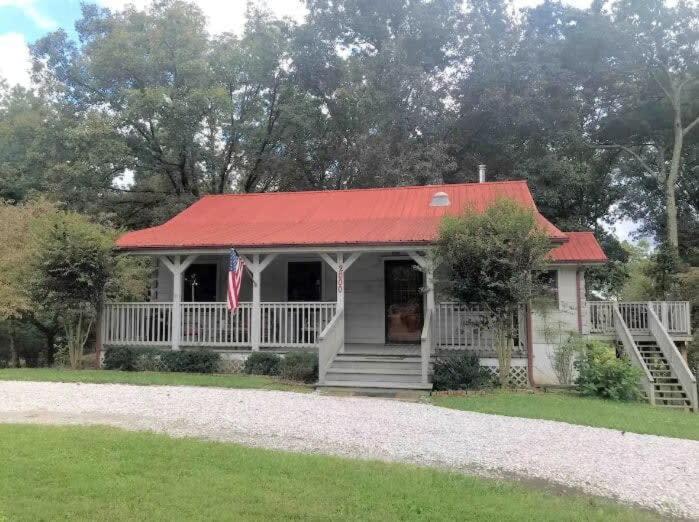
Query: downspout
(578, 298)
(530, 346)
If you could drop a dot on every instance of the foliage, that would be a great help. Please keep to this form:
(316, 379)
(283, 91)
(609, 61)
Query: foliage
(299, 366)
(602, 374)
(571, 407)
(120, 358)
(261, 363)
(70, 273)
(190, 361)
(143, 111)
(459, 371)
(127, 358)
(564, 356)
(494, 258)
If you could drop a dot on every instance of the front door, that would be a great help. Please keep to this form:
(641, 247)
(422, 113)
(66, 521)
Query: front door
(404, 312)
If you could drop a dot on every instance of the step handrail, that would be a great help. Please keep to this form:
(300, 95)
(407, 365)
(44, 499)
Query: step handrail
(674, 358)
(426, 347)
(330, 343)
(630, 348)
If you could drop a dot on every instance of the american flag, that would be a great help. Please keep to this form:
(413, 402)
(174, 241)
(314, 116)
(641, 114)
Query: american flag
(235, 279)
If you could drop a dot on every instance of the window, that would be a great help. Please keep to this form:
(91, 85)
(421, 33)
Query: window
(304, 281)
(550, 281)
(200, 283)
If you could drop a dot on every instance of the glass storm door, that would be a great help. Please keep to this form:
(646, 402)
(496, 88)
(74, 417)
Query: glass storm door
(404, 313)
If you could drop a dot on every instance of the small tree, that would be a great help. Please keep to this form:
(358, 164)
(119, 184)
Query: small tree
(495, 258)
(74, 268)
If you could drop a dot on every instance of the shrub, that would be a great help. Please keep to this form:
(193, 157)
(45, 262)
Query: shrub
(260, 363)
(563, 359)
(601, 373)
(299, 366)
(149, 360)
(191, 361)
(459, 371)
(120, 358)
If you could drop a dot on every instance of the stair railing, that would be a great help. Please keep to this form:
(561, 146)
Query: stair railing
(630, 348)
(426, 346)
(674, 358)
(330, 343)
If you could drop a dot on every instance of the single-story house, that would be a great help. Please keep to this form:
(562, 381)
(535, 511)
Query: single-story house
(346, 272)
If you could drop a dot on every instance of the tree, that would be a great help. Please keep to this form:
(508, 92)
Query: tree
(495, 258)
(195, 115)
(15, 253)
(648, 108)
(74, 268)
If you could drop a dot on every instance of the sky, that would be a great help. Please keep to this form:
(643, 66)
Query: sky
(24, 21)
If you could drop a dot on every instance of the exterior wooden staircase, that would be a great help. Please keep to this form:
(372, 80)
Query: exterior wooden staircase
(666, 379)
(669, 392)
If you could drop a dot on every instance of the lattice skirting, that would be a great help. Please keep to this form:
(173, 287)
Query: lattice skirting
(519, 377)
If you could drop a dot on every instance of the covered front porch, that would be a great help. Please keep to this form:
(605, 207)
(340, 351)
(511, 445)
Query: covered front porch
(369, 303)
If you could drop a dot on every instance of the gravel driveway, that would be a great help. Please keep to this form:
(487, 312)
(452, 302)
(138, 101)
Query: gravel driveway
(656, 472)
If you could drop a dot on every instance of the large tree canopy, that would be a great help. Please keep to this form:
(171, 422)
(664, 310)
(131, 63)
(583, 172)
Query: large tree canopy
(145, 111)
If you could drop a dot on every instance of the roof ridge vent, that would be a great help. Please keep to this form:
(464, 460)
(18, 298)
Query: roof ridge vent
(440, 199)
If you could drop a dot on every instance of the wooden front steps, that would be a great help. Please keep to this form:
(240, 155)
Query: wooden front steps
(376, 370)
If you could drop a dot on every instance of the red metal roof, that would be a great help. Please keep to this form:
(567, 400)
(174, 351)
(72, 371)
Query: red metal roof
(382, 216)
(581, 247)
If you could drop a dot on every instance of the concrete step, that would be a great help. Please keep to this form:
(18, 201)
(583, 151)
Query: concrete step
(377, 358)
(374, 385)
(373, 378)
(375, 365)
(377, 371)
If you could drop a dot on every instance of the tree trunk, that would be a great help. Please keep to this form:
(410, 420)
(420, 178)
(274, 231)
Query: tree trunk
(670, 185)
(14, 356)
(50, 348)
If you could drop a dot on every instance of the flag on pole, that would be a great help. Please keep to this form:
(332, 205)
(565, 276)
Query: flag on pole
(235, 279)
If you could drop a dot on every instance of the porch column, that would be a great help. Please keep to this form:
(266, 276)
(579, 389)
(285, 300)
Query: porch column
(256, 265)
(426, 267)
(428, 331)
(177, 266)
(340, 265)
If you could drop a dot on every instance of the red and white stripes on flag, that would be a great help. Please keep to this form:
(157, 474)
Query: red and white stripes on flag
(236, 268)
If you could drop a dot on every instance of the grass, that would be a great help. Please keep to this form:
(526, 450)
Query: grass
(146, 378)
(80, 473)
(572, 408)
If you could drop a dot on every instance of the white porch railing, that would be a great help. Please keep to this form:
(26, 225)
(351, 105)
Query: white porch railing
(674, 358)
(330, 342)
(211, 324)
(137, 323)
(674, 316)
(294, 324)
(460, 327)
(631, 350)
(283, 324)
(426, 346)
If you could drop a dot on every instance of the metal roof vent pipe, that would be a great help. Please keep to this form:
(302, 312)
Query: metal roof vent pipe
(481, 173)
(440, 199)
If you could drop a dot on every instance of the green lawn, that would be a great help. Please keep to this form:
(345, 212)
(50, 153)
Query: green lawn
(569, 407)
(161, 378)
(79, 473)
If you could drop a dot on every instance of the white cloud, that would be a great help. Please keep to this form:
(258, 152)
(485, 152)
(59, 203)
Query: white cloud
(29, 9)
(225, 16)
(15, 62)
